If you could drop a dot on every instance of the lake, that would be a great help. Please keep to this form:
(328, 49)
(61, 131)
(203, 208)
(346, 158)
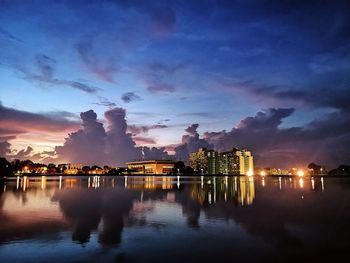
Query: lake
(174, 219)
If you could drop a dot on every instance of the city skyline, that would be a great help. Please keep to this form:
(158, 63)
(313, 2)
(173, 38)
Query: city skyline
(106, 83)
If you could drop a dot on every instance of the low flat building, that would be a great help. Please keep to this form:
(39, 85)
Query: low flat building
(151, 167)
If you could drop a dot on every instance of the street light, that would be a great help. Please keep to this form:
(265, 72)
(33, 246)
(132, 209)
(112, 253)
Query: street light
(300, 173)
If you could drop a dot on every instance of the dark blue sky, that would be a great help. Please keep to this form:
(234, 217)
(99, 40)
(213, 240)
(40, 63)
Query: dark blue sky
(171, 64)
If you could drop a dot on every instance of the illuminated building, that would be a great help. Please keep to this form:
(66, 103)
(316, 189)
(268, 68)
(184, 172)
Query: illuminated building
(205, 161)
(232, 162)
(229, 162)
(96, 170)
(245, 161)
(151, 167)
(73, 168)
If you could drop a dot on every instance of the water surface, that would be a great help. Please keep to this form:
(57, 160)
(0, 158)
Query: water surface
(171, 219)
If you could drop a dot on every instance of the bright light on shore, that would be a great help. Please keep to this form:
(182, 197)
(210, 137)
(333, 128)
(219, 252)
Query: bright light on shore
(300, 173)
(262, 173)
(250, 173)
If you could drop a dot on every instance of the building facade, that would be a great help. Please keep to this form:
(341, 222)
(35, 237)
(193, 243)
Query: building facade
(233, 162)
(151, 167)
(229, 162)
(205, 161)
(245, 162)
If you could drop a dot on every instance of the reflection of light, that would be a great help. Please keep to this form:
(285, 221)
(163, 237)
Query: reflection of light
(263, 182)
(178, 182)
(17, 186)
(250, 173)
(313, 183)
(301, 182)
(43, 182)
(262, 173)
(126, 181)
(60, 184)
(214, 189)
(280, 182)
(24, 183)
(322, 185)
(300, 173)
(202, 182)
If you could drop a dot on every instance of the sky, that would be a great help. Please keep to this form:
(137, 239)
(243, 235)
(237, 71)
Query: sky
(112, 81)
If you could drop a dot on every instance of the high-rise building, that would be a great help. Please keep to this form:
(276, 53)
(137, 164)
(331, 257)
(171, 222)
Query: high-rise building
(205, 161)
(245, 162)
(229, 162)
(233, 162)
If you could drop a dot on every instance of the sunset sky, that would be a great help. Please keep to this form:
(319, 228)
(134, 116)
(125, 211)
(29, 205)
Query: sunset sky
(272, 76)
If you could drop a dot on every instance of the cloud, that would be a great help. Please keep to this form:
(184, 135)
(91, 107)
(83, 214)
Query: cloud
(93, 144)
(105, 102)
(130, 96)
(154, 153)
(120, 145)
(46, 66)
(198, 114)
(190, 143)
(166, 69)
(268, 119)
(288, 147)
(192, 130)
(140, 140)
(23, 121)
(46, 75)
(23, 154)
(325, 96)
(163, 19)
(103, 69)
(86, 145)
(80, 86)
(322, 140)
(137, 129)
(4, 148)
(4, 34)
(161, 88)
(159, 77)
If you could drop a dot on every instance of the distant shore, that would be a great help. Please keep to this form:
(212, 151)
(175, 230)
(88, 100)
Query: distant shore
(56, 176)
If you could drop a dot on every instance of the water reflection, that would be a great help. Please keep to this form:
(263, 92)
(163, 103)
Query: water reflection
(282, 215)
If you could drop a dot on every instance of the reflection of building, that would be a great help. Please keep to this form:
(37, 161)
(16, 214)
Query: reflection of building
(234, 161)
(151, 167)
(150, 182)
(246, 191)
(205, 161)
(238, 190)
